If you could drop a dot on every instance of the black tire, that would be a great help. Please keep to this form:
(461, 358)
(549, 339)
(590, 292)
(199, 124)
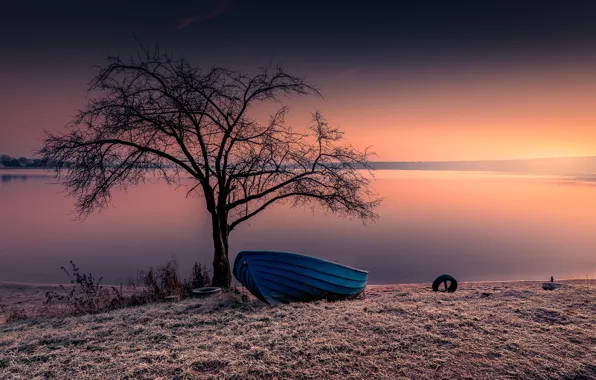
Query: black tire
(204, 292)
(444, 279)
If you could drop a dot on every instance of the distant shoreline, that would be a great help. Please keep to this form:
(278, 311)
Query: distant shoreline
(28, 163)
(578, 167)
(27, 168)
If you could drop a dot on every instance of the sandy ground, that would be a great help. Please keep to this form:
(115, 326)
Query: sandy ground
(510, 330)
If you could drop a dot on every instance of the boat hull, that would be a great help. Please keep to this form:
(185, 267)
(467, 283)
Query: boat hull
(283, 277)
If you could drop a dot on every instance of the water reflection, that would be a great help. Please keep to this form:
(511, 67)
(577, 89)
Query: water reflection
(13, 177)
(23, 176)
(476, 226)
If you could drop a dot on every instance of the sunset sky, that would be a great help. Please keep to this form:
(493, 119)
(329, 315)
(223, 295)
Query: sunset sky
(433, 80)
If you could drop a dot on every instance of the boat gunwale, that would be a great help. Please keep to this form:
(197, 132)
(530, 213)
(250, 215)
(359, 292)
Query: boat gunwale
(304, 256)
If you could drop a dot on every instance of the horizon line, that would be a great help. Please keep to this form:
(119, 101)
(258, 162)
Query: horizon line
(425, 161)
(489, 159)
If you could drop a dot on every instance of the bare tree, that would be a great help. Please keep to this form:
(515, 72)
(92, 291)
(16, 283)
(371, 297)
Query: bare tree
(157, 114)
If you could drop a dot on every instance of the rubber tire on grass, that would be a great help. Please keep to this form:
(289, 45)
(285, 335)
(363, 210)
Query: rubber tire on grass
(443, 278)
(205, 292)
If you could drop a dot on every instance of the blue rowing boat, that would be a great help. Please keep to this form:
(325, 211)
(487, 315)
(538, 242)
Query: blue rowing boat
(282, 277)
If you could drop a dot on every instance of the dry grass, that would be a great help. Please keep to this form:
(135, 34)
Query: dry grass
(86, 295)
(23, 298)
(483, 331)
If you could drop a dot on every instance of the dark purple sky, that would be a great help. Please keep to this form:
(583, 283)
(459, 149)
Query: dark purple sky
(63, 31)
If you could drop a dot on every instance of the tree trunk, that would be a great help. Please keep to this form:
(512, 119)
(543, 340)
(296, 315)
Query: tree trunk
(222, 275)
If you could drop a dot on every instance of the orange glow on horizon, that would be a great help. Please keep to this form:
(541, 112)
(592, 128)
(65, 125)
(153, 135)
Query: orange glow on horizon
(497, 115)
(512, 113)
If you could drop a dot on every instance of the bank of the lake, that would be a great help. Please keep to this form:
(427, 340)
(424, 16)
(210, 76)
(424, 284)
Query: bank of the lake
(483, 331)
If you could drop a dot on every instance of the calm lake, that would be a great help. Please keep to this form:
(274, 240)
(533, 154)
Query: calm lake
(475, 226)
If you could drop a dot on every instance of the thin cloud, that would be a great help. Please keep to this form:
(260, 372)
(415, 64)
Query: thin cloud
(348, 73)
(220, 8)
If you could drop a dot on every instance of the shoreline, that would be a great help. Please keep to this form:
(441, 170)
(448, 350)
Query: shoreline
(592, 280)
(30, 295)
(27, 295)
(569, 280)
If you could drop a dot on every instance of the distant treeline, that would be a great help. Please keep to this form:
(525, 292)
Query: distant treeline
(559, 165)
(7, 161)
(20, 162)
(556, 165)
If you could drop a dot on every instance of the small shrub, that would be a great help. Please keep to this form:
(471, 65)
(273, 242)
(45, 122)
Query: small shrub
(166, 280)
(199, 278)
(169, 279)
(15, 313)
(132, 296)
(150, 282)
(85, 295)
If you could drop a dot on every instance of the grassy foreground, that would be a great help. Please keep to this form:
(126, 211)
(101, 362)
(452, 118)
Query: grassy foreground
(511, 330)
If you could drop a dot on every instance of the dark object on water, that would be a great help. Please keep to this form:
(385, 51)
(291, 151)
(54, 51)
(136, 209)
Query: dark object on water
(275, 277)
(448, 281)
(204, 292)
